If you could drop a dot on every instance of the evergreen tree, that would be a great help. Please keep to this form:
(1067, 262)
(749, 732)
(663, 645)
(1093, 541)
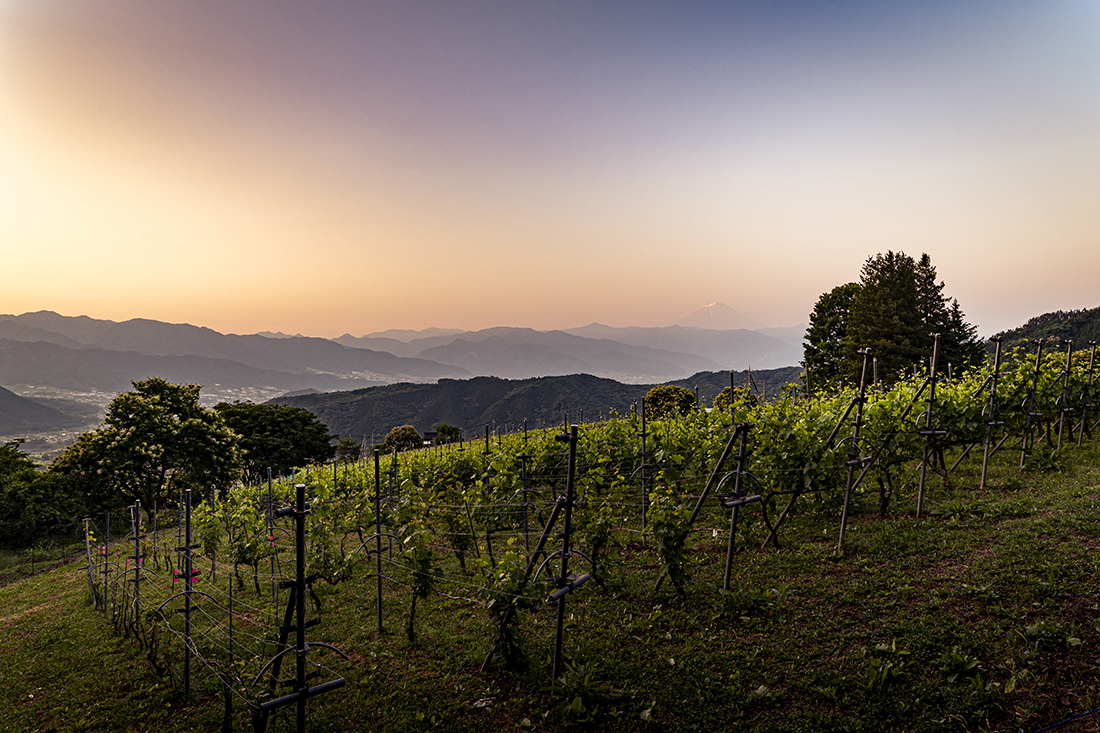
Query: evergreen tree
(823, 353)
(885, 318)
(893, 310)
(930, 300)
(959, 343)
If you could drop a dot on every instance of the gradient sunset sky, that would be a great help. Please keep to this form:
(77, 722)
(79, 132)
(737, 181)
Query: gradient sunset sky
(352, 166)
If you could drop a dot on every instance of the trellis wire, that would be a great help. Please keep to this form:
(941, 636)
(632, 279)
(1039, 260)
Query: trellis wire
(183, 527)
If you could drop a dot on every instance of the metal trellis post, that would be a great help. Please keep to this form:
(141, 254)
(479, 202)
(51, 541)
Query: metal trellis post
(1064, 399)
(1088, 395)
(1031, 414)
(928, 433)
(991, 410)
(855, 459)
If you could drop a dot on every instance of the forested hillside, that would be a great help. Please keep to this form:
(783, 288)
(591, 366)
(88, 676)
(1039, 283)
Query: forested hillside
(473, 403)
(1079, 326)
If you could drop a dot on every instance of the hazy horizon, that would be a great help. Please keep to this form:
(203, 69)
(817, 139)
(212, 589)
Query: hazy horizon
(353, 167)
(432, 327)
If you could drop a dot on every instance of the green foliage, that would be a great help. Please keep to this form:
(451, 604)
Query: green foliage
(277, 437)
(580, 692)
(955, 665)
(502, 592)
(790, 437)
(886, 666)
(885, 318)
(239, 516)
(348, 449)
(826, 336)
(155, 440)
(403, 437)
(743, 602)
(1051, 636)
(595, 531)
(737, 398)
(418, 558)
(31, 500)
(1007, 591)
(668, 515)
(1079, 326)
(667, 400)
(446, 434)
(892, 311)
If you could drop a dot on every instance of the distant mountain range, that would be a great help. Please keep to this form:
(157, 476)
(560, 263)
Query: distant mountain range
(58, 372)
(88, 360)
(718, 316)
(474, 403)
(638, 355)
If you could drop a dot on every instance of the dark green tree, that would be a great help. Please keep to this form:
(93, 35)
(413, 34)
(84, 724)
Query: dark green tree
(81, 465)
(32, 502)
(959, 343)
(155, 440)
(823, 354)
(348, 449)
(278, 437)
(735, 396)
(885, 318)
(448, 433)
(403, 438)
(667, 400)
(893, 310)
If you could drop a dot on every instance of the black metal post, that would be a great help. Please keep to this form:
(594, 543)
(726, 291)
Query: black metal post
(565, 548)
(136, 522)
(271, 533)
(187, 577)
(645, 465)
(156, 561)
(378, 532)
(106, 555)
(927, 432)
(1031, 405)
(743, 428)
(526, 506)
(88, 557)
(1064, 401)
(991, 410)
(300, 586)
(854, 460)
(1088, 395)
(214, 553)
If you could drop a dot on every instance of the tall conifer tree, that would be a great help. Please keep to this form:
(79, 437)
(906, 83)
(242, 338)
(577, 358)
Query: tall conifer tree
(885, 317)
(893, 310)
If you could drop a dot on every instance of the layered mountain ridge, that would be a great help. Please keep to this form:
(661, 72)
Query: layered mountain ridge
(48, 355)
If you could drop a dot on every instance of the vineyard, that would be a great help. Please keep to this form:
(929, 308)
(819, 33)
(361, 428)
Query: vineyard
(523, 572)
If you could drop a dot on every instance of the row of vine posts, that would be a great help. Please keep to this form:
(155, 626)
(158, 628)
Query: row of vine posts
(458, 501)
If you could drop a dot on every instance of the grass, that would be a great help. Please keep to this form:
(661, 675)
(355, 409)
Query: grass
(982, 615)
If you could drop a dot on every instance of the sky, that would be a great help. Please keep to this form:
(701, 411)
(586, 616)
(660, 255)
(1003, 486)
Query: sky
(349, 166)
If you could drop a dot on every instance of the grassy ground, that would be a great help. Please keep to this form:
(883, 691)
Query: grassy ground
(982, 615)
